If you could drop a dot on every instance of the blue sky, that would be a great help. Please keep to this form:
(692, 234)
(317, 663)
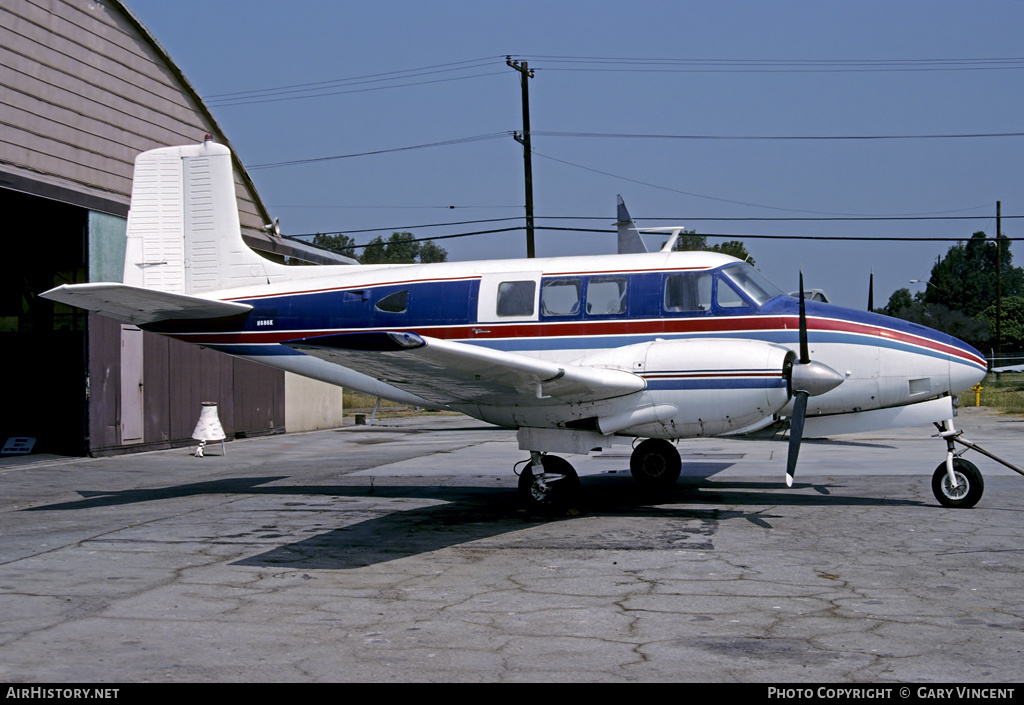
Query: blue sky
(729, 70)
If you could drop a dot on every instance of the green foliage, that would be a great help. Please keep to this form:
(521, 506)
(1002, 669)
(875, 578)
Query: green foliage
(1012, 324)
(689, 240)
(970, 329)
(900, 300)
(342, 244)
(432, 252)
(960, 296)
(965, 280)
(400, 248)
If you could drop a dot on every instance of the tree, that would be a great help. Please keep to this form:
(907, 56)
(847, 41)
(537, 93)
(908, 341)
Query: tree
(965, 280)
(402, 248)
(432, 252)
(1012, 325)
(689, 240)
(342, 244)
(899, 301)
(735, 248)
(970, 329)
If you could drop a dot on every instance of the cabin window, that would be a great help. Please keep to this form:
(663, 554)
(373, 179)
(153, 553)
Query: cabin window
(606, 296)
(560, 297)
(727, 297)
(394, 303)
(515, 298)
(688, 291)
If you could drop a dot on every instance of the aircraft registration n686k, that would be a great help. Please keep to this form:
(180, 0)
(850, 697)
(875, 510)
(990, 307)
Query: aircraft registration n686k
(570, 351)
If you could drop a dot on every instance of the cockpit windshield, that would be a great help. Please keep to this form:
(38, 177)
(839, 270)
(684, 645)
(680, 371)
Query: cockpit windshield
(752, 283)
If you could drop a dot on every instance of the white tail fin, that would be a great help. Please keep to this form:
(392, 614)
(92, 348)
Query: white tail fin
(183, 231)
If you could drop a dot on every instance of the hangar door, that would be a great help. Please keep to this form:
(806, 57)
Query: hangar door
(42, 344)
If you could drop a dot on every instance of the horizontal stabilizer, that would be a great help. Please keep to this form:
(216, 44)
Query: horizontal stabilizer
(445, 371)
(138, 306)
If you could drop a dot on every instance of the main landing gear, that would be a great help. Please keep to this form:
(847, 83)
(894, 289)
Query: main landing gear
(957, 483)
(550, 484)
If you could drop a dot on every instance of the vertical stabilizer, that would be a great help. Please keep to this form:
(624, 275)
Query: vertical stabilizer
(630, 241)
(183, 230)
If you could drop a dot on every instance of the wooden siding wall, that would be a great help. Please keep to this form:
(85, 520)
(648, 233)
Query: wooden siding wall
(84, 91)
(178, 379)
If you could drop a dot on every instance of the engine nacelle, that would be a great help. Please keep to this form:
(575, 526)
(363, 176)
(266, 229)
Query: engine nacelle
(716, 386)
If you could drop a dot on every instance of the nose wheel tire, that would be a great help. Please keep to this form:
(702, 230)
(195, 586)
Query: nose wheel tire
(655, 464)
(968, 490)
(554, 487)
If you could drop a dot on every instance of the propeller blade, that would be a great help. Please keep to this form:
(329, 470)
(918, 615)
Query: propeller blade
(796, 434)
(871, 292)
(805, 356)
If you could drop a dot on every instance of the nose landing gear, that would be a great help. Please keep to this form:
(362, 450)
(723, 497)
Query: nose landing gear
(967, 490)
(957, 483)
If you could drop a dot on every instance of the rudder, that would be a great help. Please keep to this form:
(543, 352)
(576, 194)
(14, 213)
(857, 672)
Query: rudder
(184, 234)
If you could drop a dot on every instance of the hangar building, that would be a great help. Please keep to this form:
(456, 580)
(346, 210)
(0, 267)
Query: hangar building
(85, 88)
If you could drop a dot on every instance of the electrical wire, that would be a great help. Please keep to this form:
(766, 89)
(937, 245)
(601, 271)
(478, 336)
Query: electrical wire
(811, 138)
(664, 65)
(357, 84)
(727, 236)
(443, 143)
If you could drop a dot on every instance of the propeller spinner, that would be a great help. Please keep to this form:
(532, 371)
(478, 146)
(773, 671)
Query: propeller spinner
(806, 379)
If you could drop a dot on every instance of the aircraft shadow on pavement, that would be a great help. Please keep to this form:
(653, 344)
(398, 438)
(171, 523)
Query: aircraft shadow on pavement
(686, 517)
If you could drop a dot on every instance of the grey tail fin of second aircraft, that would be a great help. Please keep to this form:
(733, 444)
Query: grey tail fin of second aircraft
(630, 241)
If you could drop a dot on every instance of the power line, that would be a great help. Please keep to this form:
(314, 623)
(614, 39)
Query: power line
(689, 193)
(418, 239)
(403, 78)
(443, 143)
(728, 236)
(359, 84)
(716, 65)
(333, 83)
(233, 103)
(409, 227)
(679, 219)
(622, 135)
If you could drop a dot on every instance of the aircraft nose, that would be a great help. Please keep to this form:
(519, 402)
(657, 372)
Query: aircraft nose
(967, 367)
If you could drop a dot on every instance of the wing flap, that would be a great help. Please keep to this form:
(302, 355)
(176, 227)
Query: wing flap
(139, 306)
(448, 372)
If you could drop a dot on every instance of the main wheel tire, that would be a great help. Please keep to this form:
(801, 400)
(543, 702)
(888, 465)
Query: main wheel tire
(560, 488)
(969, 489)
(655, 464)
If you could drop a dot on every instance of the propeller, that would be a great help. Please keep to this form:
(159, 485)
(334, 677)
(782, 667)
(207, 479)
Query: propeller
(806, 379)
(871, 292)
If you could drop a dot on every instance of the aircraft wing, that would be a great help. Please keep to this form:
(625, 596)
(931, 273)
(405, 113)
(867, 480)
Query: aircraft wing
(138, 306)
(447, 372)
(1008, 368)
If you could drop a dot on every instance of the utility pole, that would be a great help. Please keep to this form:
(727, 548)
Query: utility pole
(999, 280)
(524, 139)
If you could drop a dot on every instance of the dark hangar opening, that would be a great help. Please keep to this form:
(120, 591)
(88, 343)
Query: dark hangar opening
(43, 344)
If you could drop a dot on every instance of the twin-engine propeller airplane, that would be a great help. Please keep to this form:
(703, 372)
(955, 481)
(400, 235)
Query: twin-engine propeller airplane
(570, 351)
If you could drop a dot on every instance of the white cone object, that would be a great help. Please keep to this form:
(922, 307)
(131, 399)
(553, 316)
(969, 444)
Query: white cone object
(208, 428)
